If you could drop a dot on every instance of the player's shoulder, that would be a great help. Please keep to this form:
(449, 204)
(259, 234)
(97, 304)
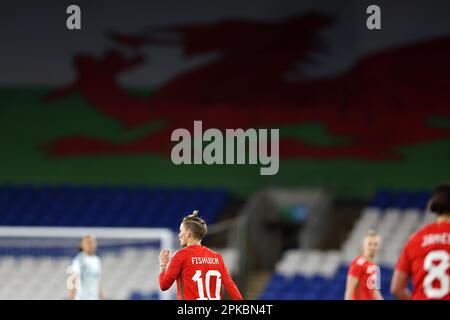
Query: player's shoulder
(437, 227)
(79, 256)
(428, 228)
(211, 251)
(359, 261)
(416, 237)
(200, 250)
(184, 252)
(179, 253)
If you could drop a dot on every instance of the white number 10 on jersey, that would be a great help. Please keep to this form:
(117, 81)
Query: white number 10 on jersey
(201, 293)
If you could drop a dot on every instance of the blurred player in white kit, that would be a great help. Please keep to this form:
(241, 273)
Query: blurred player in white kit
(86, 269)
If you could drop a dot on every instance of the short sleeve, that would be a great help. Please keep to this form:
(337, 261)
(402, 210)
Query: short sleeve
(76, 265)
(355, 269)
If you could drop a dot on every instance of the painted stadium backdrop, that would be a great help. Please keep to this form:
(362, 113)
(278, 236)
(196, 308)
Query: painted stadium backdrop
(383, 122)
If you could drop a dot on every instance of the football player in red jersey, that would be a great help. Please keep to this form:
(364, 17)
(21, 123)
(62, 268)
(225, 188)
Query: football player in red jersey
(199, 271)
(363, 274)
(425, 259)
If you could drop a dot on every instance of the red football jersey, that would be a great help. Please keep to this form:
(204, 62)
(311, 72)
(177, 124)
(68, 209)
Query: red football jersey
(200, 273)
(426, 259)
(367, 274)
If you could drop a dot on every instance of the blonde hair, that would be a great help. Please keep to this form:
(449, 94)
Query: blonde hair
(196, 225)
(372, 234)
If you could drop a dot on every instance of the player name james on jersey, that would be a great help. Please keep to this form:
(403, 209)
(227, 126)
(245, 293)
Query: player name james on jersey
(436, 238)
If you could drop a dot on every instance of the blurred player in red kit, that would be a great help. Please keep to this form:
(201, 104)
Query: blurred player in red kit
(199, 271)
(363, 275)
(425, 259)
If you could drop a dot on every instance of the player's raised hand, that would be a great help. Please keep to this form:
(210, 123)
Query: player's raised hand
(164, 257)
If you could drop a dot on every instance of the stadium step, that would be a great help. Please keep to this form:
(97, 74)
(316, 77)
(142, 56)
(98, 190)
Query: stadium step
(256, 283)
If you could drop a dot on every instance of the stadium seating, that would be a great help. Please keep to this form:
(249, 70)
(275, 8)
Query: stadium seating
(106, 206)
(129, 273)
(319, 275)
(46, 275)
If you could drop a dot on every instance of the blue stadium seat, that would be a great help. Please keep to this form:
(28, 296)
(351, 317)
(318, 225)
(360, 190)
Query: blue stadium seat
(136, 296)
(402, 200)
(421, 200)
(301, 287)
(107, 206)
(382, 199)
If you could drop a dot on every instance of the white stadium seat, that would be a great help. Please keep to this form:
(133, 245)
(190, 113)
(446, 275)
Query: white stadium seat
(45, 277)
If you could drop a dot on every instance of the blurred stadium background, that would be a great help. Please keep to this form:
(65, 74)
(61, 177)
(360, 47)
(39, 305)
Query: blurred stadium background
(86, 117)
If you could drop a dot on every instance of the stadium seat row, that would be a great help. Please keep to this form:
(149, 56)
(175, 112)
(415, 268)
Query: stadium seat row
(401, 199)
(106, 206)
(321, 275)
(127, 273)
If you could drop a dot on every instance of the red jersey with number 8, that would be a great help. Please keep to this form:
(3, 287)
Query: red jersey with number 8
(200, 274)
(426, 259)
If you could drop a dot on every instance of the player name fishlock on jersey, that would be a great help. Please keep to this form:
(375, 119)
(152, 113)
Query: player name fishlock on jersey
(204, 260)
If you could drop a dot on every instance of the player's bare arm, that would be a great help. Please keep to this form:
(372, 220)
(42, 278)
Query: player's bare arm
(229, 284)
(399, 285)
(72, 288)
(377, 295)
(101, 293)
(352, 283)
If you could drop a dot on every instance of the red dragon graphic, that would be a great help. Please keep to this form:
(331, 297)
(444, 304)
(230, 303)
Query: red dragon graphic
(379, 105)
